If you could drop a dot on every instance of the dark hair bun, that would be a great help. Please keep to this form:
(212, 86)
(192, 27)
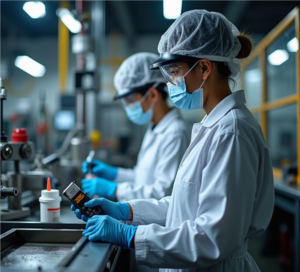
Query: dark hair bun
(246, 46)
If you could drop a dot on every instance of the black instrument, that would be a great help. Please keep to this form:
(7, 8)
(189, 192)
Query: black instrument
(78, 198)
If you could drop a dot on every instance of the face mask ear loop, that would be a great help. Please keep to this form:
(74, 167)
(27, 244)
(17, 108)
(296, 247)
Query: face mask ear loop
(155, 85)
(144, 97)
(202, 83)
(152, 106)
(191, 68)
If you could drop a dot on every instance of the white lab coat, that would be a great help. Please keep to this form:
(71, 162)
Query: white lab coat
(158, 161)
(223, 195)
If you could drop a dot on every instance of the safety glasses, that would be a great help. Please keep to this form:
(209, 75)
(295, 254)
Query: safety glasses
(131, 99)
(172, 71)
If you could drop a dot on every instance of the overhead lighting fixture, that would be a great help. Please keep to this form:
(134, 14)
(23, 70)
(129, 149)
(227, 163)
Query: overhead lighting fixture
(35, 9)
(278, 57)
(253, 75)
(172, 9)
(68, 19)
(30, 66)
(293, 45)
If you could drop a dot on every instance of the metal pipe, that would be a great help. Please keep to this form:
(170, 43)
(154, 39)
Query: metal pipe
(8, 191)
(15, 180)
(80, 111)
(98, 34)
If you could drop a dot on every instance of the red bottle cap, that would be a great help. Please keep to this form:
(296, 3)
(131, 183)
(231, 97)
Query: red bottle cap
(19, 135)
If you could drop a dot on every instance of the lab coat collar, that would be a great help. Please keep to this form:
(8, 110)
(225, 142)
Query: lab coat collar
(228, 103)
(166, 121)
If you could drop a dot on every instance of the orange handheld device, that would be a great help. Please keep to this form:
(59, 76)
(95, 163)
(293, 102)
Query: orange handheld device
(78, 198)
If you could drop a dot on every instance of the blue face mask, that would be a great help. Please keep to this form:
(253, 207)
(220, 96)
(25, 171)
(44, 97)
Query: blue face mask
(181, 98)
(135, 112)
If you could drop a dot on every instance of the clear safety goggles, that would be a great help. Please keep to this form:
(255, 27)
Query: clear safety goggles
(131, 99)
(172, 71)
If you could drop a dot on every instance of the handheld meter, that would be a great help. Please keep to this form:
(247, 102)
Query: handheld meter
(78, 198)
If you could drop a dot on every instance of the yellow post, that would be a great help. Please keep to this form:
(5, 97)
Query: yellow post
(297, 27)
(63, 52)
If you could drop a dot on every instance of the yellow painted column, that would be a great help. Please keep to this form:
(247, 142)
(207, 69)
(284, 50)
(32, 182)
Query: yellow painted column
(297, 27)
(63, 52)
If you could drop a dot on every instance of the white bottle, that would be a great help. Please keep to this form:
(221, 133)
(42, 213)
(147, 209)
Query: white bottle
(50, 204)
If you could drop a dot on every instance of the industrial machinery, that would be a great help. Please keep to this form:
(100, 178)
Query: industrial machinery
(65, 164)
(5, 148)
(59, 246)
(15, 151)
(85, 46)
(13, 184)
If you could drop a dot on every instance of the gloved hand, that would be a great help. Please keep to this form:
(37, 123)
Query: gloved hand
(101, 169)
(78, 214)
(100, 187)
(117, 210)
(108, 229)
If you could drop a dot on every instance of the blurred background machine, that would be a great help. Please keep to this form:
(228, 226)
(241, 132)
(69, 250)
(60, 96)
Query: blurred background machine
(14, 183)
(26, 170)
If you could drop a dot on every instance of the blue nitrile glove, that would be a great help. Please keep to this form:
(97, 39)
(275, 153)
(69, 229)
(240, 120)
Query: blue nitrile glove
(100, 187)
(108, 229)
(78, 214)
(101, 169)
(117, 210)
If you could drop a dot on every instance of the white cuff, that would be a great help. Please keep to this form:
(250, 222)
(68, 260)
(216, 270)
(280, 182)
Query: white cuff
(135, 213)
(140, 244)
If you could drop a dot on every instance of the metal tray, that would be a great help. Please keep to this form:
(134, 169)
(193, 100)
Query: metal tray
(54, 250)
(39, 248)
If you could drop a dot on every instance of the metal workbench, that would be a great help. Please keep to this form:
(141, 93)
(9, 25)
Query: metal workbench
(54, 250)
(80, 255)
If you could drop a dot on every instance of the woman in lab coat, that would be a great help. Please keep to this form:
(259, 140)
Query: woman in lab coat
(143, 95)
(223, 193)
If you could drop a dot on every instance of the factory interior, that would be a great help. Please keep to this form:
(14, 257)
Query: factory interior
(67, 125)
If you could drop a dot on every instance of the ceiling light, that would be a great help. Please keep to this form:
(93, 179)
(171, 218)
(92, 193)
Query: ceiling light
(293, 45)
(172, 8)
(278, 57)
(35, 9)
(30, 66)
(68, 19)
(253, 75)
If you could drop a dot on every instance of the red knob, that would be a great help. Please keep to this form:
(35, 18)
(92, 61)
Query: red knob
(19, 135)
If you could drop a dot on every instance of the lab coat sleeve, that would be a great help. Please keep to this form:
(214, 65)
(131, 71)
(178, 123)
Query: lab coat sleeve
(171, 154)
(226, 200)
(125, 174)
(148, 211)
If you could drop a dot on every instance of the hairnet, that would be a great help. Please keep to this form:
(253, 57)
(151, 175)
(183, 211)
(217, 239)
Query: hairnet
(203, 34)
(134, 72)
